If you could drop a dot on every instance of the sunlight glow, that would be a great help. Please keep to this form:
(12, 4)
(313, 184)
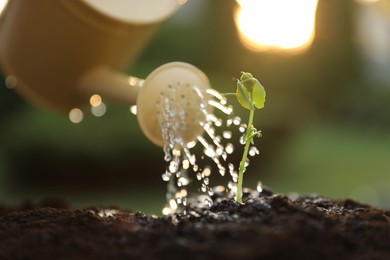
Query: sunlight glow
(283, 25)
(2, 5)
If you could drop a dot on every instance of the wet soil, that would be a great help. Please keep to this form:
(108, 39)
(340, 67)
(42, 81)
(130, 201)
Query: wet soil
(265, 226)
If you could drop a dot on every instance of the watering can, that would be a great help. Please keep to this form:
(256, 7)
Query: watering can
(58, 53)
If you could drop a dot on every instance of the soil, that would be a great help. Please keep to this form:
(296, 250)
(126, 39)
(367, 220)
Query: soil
(265, 226)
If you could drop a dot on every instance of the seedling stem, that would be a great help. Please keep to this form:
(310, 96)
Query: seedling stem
(251, 95)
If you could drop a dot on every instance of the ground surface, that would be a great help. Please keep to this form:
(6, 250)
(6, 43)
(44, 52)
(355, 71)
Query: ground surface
(266, 226)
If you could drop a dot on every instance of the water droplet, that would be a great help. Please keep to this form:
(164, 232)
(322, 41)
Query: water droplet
(253, 151)
(242, 128)
(211, 117)
(229, 122)
(247, 162)
(227, 134)
(219, 189)
(224, 109)
(76, 115)
(199, 176)
(166, 176)
(192, 160)
(183, 193)
(206, 181)
(222, 171)
(183, 181)
(186, 164)
(242, 141)
(215, 94)
(219, 151)
(259, 187)
(209, 151)
(232, 186)
(234, 176)
(173, 167)
(166, 211)
(167, 153)
(208, 201)
(236, 120)
(107, 213)
(229, 110)
(224, 156)
(191, 144)
(176, 152)
(206, 172)
(173, 204)
(229, 148)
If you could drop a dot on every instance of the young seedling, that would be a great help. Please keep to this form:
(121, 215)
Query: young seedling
(251, 95)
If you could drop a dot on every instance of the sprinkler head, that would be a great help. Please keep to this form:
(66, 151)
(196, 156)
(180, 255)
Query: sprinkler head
(172, 103)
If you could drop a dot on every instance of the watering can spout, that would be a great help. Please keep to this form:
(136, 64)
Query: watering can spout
(110, 84)
(176, 84)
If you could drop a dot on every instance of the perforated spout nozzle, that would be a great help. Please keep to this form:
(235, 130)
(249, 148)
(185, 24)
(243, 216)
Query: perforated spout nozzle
(172, 103)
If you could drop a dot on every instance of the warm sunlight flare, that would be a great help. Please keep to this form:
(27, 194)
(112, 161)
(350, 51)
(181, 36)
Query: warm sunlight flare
(2, 5)
(283, 25)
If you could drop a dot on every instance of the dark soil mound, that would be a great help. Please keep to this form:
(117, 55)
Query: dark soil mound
(266, 226)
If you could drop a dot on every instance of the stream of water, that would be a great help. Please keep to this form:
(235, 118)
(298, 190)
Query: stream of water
(180, 108)
(184, 166)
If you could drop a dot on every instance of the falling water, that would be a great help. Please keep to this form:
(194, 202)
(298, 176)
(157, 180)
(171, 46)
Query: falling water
(183, 165)
(181, 107)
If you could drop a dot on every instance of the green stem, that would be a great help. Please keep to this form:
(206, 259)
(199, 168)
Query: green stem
(228, 94)
(242, 167)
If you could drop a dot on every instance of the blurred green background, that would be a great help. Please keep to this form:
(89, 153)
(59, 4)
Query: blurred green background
(326, 123)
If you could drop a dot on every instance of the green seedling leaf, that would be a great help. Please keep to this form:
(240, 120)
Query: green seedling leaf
(258, 95)
(242, 95)
(247, 81)
(250, 93)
